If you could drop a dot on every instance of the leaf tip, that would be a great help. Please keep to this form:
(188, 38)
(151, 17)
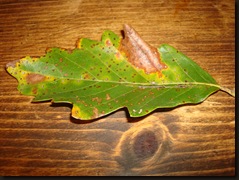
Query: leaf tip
(229, 91)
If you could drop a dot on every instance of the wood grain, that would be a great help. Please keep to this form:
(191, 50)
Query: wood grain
(42, 139)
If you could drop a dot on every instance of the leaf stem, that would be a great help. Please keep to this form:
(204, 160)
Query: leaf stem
(229, 91)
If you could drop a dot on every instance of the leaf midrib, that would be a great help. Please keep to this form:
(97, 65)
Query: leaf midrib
(149, 84)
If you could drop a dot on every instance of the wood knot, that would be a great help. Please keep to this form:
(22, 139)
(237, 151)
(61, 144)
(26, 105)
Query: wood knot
(144, 144)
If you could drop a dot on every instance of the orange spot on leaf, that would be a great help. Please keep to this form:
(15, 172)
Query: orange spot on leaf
(86, 76)
(118, 55)
(108, 42)
(76, 111)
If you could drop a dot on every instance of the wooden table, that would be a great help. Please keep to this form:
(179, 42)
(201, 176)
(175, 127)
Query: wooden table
(42, 139)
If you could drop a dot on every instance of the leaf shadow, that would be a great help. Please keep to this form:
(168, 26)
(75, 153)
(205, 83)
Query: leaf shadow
(80, 121)
(66, 105)
(137, 119)
(62, 104)
(72, 119)
(110, 115)
(114, 114)
(158, 110)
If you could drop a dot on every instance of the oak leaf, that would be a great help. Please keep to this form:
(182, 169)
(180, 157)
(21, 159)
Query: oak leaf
(99, 77)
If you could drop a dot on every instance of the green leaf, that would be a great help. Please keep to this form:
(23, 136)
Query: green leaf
(99, 77)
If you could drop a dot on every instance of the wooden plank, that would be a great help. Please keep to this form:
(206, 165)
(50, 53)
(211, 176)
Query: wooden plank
(42, 139)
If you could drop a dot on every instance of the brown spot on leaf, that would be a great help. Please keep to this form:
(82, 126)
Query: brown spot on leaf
(139, 53)
(34, 90)
(108, 97)
(12, 64)
(97, 99)
(35, 78)
(95, 112)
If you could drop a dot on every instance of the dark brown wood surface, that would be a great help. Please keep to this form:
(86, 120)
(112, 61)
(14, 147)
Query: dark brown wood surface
(42, 139)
